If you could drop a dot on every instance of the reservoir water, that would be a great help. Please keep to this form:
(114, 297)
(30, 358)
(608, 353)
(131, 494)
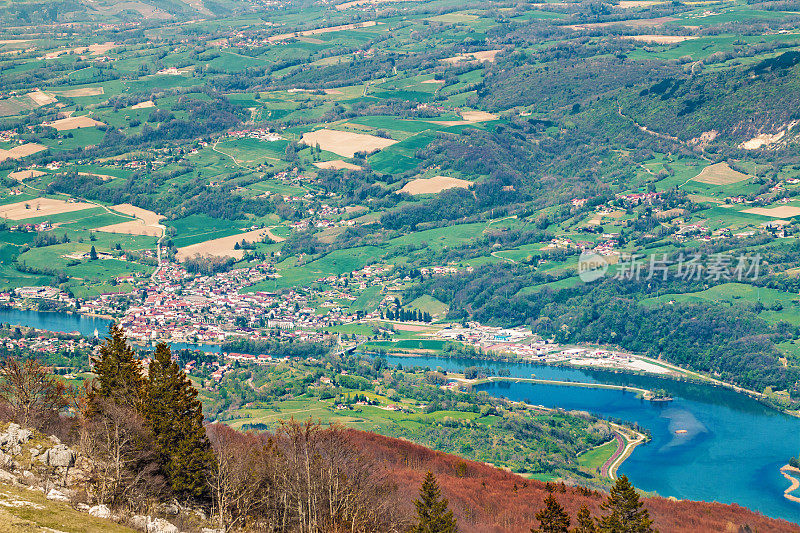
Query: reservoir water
(60, 322)
(731, 452)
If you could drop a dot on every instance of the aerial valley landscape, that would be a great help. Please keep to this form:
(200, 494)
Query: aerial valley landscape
(399, 266)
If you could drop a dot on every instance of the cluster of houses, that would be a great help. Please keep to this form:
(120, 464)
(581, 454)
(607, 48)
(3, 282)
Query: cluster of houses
(444, 270)
(44, 344)
(256, 133)
(210, 309)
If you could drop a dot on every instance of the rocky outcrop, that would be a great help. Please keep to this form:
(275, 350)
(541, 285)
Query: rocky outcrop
(33, 461)
(12, 439)
(153, 525)
(100, 511)
(57, 495)
(59, 455)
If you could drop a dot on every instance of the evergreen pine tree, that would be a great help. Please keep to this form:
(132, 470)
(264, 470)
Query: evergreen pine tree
(552, 517)
(585, 521)
(92, 254)
(176, 418)
(627, 513)
(119, 372)
(434, 516)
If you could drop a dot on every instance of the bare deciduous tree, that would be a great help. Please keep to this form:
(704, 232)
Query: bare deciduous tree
(119, 441)
(303, 478)
(242, 478)
(31, 394)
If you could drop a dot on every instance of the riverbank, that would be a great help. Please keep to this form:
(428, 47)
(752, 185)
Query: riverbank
(646, 394)
(696, 447)
(795, 483)
(622, 454)
(676, 373)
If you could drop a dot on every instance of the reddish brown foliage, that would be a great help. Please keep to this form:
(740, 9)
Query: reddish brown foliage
(488, 500)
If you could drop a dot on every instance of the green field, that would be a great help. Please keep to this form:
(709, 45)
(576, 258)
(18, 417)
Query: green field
(333, 264)
(200, 228)
(779, 305)
(430, 305)
(596, 457)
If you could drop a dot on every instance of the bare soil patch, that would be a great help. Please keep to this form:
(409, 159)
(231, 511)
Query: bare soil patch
(354, 3)
(470, 117)
(224, 247)
(635, 23)
(143, 105)
(86, 91)
(337, 165)
(96, 49)
(433, 81)
(73, 123)
(410, 327)
(133, 227)
(629, 4)
(41, 207)
(434, 185)
(319, 31)
(661, 39)
(486, 55)
(346, 143)
(765, 139)
(40, 98)
(720, 174)
(477, 116)
(22, 175)
(146, 223)
(784, 211)
(149, 217)
(23, 150)
(104, 177)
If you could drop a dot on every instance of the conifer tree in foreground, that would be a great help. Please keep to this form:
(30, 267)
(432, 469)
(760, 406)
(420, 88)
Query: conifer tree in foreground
(585, 522)
(114, 432)
(176, 418)
(627, 513)
(432, 511)
(552, 517)
(119, 372)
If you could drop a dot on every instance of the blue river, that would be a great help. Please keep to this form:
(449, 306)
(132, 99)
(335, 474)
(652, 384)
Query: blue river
(731, 452)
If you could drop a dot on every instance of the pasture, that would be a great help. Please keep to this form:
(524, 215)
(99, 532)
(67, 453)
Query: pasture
(296, 273)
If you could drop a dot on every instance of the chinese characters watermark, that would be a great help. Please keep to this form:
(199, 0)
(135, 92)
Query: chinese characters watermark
(660, 267)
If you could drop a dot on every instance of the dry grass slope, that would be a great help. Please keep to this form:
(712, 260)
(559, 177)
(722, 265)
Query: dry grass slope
(720, 174)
